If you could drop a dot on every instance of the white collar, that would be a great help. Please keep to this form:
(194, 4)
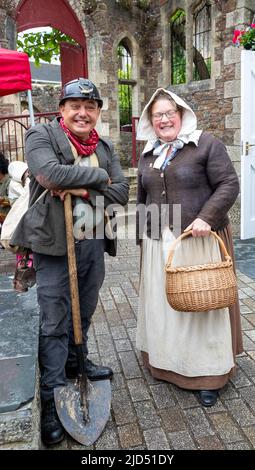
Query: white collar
(193, 137)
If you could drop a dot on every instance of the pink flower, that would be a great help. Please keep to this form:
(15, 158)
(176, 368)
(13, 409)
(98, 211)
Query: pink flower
(245, 37)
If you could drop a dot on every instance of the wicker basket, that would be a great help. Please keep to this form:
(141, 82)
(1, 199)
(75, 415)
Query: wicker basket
(203, 287)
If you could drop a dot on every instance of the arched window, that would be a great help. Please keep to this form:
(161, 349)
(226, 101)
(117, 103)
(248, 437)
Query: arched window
(178, 47)
(125, 85)
(202, 42)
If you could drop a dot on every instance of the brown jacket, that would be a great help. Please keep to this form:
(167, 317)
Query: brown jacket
(201, 179)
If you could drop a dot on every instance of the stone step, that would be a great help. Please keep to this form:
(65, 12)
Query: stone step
(19, 401)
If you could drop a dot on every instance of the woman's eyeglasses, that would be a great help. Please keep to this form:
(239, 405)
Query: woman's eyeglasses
(169, 114)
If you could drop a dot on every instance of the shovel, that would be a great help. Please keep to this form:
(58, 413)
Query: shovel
(83, 406)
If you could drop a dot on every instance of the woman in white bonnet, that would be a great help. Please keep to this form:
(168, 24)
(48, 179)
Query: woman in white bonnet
(186, 181)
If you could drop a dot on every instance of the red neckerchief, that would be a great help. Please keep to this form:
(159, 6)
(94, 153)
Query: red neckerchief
(83, 147)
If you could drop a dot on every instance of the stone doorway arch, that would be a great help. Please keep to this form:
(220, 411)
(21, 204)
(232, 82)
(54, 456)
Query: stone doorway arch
(57, 14)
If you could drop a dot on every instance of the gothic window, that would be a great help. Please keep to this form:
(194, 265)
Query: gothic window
(178, 56)
(202, 42)
(126, 84)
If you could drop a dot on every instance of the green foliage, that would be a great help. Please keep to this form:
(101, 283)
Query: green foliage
(178, 65)
(125, 103)
(178, 16)
(125, 74)
(124, 89)
(43, 45)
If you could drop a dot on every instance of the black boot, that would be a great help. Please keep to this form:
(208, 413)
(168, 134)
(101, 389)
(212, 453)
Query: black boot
(92, 371)
(208, 397)
(51, 428)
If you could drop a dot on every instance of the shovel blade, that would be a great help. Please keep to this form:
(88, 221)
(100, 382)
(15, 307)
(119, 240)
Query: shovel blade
(68, 406)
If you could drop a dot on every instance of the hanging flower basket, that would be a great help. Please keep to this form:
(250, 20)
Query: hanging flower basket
(245, 37)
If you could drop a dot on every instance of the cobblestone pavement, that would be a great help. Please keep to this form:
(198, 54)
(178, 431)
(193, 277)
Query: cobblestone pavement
(152, 414)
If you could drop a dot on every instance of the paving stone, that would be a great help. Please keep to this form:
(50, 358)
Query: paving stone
(247, 325)
(123, 345)
(105, 344)
(138, 390)
(129, 364)
(251, 355)
(227, 392)
(125, 310)
(250, 433)
(251, 318)
(132, 334)
(244, 309)
(16, 427)
(248, 344)
(185, 398)
(108, 304)
(240, 379)
(118, 381)
(247, 365)
(129, 322)
(172, 419)
(240, 412)
(251, 334)
(249, 291)
(118, 332)
(122, 407)
(100, 328)
(113, 318)
(225, 427)
(108, 441)
(111, 360)
(250, 303)
(181, 441)
(238, 446)
(147, 415)
(162, 395)
(248, 394)
(198, 422)
(156, 439)
(129, 436)
(209, 443)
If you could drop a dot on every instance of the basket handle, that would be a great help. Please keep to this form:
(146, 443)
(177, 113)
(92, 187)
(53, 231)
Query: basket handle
(186, 234)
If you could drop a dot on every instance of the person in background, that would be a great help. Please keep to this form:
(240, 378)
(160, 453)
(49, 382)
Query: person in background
(18, 172)
(19, 183)
(188, 176)
(68, 156)
(4, 185)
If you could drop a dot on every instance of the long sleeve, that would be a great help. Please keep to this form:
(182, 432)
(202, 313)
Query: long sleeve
(50, 173)
(224, 182)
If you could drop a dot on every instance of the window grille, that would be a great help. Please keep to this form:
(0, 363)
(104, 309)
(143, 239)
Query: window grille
(202, 42)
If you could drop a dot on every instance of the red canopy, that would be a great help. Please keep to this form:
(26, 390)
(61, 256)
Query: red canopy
(15, 72)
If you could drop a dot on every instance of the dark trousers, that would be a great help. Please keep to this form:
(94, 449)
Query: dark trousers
(56, 339)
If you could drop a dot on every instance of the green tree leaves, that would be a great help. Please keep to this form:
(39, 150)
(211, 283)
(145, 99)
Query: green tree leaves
(43, 45)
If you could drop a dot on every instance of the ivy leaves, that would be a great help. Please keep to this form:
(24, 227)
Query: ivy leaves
(43, 45)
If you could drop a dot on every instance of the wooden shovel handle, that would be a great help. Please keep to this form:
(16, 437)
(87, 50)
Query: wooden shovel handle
(73, 281)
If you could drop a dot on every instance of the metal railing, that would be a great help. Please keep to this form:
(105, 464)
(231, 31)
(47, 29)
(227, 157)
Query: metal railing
(14, 127)
(12, 132)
